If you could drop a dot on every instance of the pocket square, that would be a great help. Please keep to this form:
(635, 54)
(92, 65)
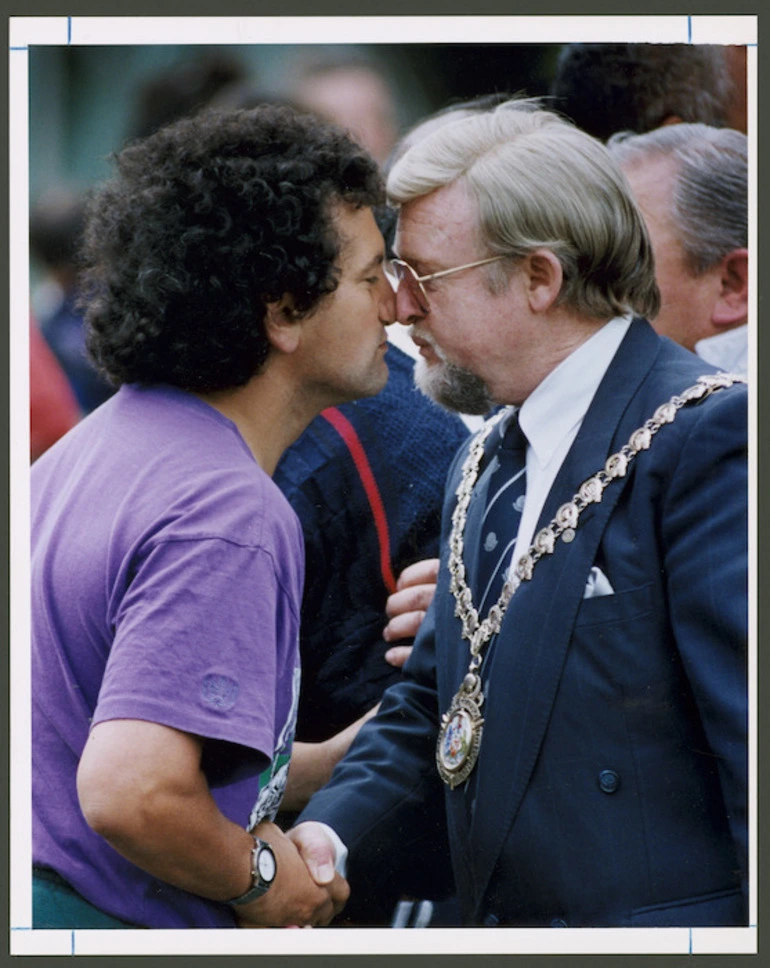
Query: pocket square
(598, 584)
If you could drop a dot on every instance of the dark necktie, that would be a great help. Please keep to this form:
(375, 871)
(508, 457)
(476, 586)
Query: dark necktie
(502, 515)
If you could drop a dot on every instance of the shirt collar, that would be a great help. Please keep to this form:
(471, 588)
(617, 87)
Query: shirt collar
(556, 407)
(728, 349)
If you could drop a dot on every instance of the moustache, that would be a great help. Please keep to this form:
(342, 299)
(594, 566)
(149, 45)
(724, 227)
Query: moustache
(426, 340)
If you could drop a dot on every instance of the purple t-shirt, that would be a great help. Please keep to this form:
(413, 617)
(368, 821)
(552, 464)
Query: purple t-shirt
(167, 574)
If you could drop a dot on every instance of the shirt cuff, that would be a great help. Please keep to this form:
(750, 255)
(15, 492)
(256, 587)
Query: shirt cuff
(340, 850)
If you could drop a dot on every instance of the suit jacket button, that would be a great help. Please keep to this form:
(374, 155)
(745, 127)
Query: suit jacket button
(491, 921)
(609, 781)
(558, 923)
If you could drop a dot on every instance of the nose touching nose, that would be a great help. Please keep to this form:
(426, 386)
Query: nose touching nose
(388, 314)
(408, 308)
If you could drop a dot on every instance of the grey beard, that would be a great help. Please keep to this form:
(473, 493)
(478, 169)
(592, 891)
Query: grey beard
(453, 387)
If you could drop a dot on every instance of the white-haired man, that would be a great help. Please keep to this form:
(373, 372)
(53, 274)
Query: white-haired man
(576, 743)
(691, 183)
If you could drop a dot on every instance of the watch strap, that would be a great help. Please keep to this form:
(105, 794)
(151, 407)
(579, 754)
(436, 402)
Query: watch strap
(259, 885)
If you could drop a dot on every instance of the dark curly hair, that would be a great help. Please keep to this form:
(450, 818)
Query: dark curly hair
(205, 222)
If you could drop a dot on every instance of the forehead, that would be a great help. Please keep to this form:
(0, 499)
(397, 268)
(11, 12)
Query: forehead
(652, 182)
(361, 239)
(439, 227)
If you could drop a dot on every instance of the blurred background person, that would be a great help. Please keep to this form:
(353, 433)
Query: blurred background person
(53, 409)
(691, 183)
(366, 480)
(86, 100)
(354, 92)
(738, 109)
(182, 88)
(55, 229)
(606, 88)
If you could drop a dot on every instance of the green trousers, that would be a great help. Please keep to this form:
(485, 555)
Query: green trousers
(57, 905)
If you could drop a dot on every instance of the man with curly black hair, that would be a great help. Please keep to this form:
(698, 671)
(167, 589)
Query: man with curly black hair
(234, 288)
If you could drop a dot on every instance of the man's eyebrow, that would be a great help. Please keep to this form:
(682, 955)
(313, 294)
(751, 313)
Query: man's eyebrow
(373, 263)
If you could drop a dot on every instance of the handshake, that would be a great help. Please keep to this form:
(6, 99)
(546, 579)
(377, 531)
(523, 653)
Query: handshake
(307, 891)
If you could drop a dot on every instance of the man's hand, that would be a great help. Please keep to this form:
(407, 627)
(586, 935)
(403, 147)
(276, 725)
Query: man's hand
(406, 607)
(306, 891)
(316, 848)
(141, 787)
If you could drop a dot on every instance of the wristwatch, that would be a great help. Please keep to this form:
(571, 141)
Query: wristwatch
(263, 870)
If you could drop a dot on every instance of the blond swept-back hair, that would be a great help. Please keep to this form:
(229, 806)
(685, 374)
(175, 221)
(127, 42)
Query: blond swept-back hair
(540, 182)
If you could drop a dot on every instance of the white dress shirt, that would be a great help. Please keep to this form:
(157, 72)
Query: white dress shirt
(551, 417)
(730, 350)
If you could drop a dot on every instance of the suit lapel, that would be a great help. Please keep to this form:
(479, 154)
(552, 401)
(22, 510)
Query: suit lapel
(526, 663)
(593, 443)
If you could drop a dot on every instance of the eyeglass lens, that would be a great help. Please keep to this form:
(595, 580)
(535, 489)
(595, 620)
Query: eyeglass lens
(406, 276)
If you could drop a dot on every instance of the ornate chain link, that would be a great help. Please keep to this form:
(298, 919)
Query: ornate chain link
(565, 520)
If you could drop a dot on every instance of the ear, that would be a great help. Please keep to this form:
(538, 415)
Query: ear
(732, 305)
(544, 276)
(670, 119)
(282, 327)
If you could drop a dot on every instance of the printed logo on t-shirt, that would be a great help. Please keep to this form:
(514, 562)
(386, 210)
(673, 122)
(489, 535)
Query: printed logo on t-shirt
(272, 781)
(219, 691)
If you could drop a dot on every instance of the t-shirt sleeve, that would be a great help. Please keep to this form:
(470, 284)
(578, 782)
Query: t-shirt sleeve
(195, 644)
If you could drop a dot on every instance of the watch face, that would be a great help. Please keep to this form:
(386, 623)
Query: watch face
(266, 864)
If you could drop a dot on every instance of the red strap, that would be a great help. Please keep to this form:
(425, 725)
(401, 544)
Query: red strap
(347, 431)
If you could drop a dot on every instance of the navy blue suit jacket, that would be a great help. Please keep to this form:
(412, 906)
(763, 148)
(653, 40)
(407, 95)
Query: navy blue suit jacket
(611, 786)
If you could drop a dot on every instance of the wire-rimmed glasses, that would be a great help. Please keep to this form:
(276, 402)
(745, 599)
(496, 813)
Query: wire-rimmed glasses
(414, 283)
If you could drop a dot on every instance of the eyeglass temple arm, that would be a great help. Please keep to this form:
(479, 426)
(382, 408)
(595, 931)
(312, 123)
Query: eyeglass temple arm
(446, 272)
